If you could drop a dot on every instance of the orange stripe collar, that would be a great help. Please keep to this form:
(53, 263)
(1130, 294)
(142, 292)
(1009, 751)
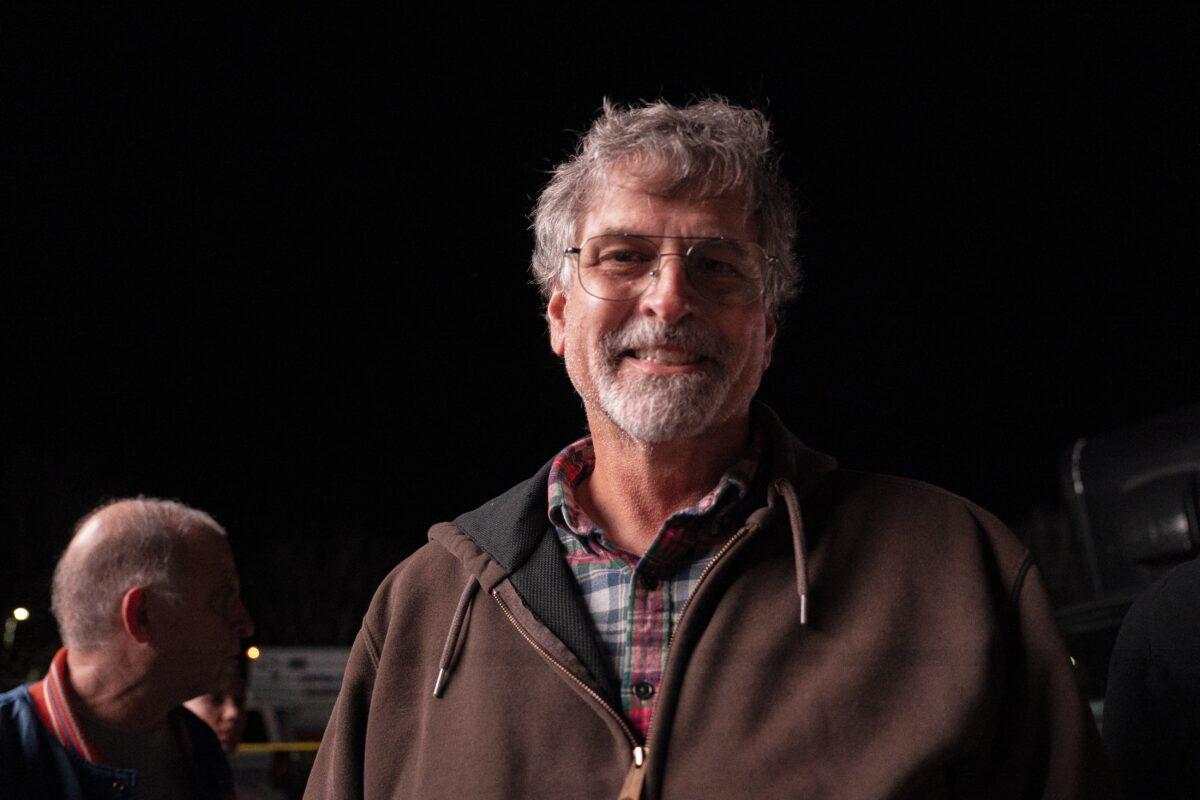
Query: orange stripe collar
(53, 698)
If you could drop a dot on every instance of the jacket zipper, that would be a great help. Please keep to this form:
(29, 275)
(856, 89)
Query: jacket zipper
(729, 543)
(634, 779)
(639, 752)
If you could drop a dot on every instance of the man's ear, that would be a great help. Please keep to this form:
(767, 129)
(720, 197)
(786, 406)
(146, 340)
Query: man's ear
(769, 340)
(134, 616)
(556, 316)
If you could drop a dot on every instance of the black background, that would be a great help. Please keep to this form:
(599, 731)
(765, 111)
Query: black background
(275, 265)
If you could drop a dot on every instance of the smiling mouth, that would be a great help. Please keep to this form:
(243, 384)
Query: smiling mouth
(666, 356)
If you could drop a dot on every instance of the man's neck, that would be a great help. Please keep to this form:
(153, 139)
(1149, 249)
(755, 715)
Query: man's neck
(635, 486)
(112, 689)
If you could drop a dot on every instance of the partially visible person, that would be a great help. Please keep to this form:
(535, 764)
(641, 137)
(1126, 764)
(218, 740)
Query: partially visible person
(147, 601)
(225, 710)
(1152, 706)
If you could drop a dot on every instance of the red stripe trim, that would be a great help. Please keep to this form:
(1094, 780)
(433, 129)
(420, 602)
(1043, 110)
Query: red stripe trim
(51, 697)
(38, 692)
(61, 711)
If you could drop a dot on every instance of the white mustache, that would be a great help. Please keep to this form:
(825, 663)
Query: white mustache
(689, 334)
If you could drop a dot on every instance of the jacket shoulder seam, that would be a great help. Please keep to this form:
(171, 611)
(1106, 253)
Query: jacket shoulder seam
(1019, 580)
(372, 647)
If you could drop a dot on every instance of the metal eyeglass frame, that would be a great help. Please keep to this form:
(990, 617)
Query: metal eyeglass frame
(770, 260)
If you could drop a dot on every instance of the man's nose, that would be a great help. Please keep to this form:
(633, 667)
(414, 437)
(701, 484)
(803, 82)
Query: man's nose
(670, 297)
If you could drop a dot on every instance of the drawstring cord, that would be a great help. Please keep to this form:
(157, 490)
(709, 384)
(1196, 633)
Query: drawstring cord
(460, 613)
(783, 487)
(780, 487)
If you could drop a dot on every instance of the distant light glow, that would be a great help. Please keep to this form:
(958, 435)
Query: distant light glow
(1074, 663)
(21, 613)
(253, 652)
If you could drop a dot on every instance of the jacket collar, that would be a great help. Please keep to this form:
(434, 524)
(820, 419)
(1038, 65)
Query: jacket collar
(787, 457)
(53, 698)
(510, 527)
(56, 702)
(514, 531)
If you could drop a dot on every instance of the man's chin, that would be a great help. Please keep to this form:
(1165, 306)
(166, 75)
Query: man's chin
(648, 422)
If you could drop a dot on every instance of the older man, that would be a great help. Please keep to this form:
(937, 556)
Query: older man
(147, 601)
(689, 602)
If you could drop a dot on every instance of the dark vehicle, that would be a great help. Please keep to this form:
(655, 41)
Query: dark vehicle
(1134, 496)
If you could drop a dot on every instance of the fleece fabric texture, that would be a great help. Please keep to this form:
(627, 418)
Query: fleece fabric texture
(930, 666)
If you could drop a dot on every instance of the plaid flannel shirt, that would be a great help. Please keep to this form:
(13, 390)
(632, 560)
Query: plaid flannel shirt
(635, 603)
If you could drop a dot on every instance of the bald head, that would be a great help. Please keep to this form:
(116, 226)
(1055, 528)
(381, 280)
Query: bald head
(123, 544)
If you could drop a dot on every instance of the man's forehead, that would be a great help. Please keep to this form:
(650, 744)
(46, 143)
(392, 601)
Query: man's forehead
(662, 184)
(622, 200)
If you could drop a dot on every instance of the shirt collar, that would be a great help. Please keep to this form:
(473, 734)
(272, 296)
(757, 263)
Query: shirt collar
(577, 460)
(569, 469)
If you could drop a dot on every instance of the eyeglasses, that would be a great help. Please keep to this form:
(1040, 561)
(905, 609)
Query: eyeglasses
(621, 266)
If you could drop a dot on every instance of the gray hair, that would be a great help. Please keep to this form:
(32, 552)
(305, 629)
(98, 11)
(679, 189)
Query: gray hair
(133, 542)
(710, 149)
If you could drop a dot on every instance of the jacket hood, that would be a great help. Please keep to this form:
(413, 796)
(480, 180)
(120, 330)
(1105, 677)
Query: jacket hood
(510, 527)
(513, 538)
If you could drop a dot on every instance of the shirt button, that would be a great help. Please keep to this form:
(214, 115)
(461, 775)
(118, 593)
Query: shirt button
(643, 689)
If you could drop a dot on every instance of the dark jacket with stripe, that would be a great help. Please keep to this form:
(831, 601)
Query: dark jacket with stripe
(36, 764)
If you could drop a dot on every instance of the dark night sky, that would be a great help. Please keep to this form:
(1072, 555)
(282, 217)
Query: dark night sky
(275, 267)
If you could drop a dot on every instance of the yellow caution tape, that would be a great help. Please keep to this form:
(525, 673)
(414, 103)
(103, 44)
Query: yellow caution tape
(278, 747)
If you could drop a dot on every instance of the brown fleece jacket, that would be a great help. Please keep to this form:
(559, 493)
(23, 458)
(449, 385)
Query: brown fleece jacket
(929, 666)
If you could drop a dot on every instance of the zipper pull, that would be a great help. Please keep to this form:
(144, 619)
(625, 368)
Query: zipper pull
(632, 788)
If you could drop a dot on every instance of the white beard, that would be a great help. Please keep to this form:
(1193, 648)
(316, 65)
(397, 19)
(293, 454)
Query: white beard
(662, 408)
